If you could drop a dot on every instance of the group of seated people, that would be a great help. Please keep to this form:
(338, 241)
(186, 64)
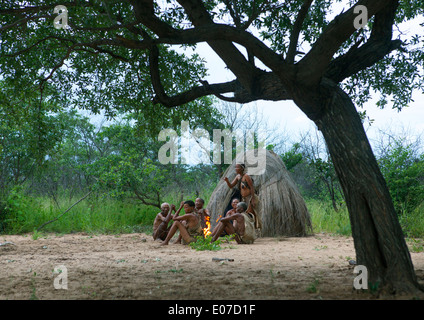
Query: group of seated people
(191, 225)
(241, 221)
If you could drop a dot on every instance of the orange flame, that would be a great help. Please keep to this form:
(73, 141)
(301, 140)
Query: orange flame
(207, 230)
(218, 218)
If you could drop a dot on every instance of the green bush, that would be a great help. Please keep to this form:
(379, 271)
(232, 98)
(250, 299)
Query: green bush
(20, 212)
(205, 243)
(404, 174)
(413, 222)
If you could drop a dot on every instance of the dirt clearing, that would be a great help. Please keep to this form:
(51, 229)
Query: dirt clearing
(133, 266)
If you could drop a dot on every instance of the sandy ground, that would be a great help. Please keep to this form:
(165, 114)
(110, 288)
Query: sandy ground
(133, 266)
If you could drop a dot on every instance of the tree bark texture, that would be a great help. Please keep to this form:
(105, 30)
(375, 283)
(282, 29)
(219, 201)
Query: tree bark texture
(377, 234)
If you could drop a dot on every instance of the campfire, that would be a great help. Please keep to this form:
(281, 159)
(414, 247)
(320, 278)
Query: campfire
(207, 230)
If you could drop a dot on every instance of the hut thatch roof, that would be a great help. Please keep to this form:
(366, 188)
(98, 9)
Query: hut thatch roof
(282, 209)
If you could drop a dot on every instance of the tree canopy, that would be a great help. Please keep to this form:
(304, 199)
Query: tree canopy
(121, 55)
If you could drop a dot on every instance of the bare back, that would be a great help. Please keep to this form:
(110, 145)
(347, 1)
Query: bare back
(158, 220)
(238, 224)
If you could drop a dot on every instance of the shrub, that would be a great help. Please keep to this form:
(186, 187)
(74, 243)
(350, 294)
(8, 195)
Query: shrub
(205, 243)
(404, 174)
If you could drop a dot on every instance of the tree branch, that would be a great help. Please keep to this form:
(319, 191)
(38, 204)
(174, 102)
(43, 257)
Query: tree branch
(268, 86)
(184, 97)
(294, 36)
(57, 66)
(23, 21)
(27, 9)
(252, 83)
(316, 61)
(255, 14)
(35, 45)
(67, 210)
(143, 200)
(233, 58)
(376, 48)
(110, 28)
(360, 59)
(220, 32)
(144, 13)
(197, 13)
(233, 13)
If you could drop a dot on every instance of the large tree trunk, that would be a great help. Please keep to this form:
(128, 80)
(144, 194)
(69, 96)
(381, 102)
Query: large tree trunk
(378, 237)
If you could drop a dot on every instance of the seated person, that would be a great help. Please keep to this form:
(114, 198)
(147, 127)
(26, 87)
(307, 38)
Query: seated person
(160, 225)
(188, 230)
(243, 226)
(202, 212)
(234, 203)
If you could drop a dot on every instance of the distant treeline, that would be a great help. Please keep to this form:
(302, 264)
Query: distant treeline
(62, 156)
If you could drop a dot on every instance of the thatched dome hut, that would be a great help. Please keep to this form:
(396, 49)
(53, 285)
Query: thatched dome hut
(281, 207)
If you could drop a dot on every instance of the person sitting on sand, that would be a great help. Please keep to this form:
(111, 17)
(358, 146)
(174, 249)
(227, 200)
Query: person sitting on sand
(234, 204)
(160, 225)
(188, 230)
(202, 212)
(243, 226)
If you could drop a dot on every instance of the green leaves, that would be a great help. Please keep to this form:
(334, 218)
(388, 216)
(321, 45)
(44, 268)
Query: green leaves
(403, 170)
(96, 65)
(396, 76)
(206, 243)
(79, 66)
(292, 157)
(28, 133)
(129, 166)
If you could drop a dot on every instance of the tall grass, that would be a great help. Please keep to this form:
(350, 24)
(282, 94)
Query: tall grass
(95, 214)
(413, 223)
(91, 216)
(326, 219)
